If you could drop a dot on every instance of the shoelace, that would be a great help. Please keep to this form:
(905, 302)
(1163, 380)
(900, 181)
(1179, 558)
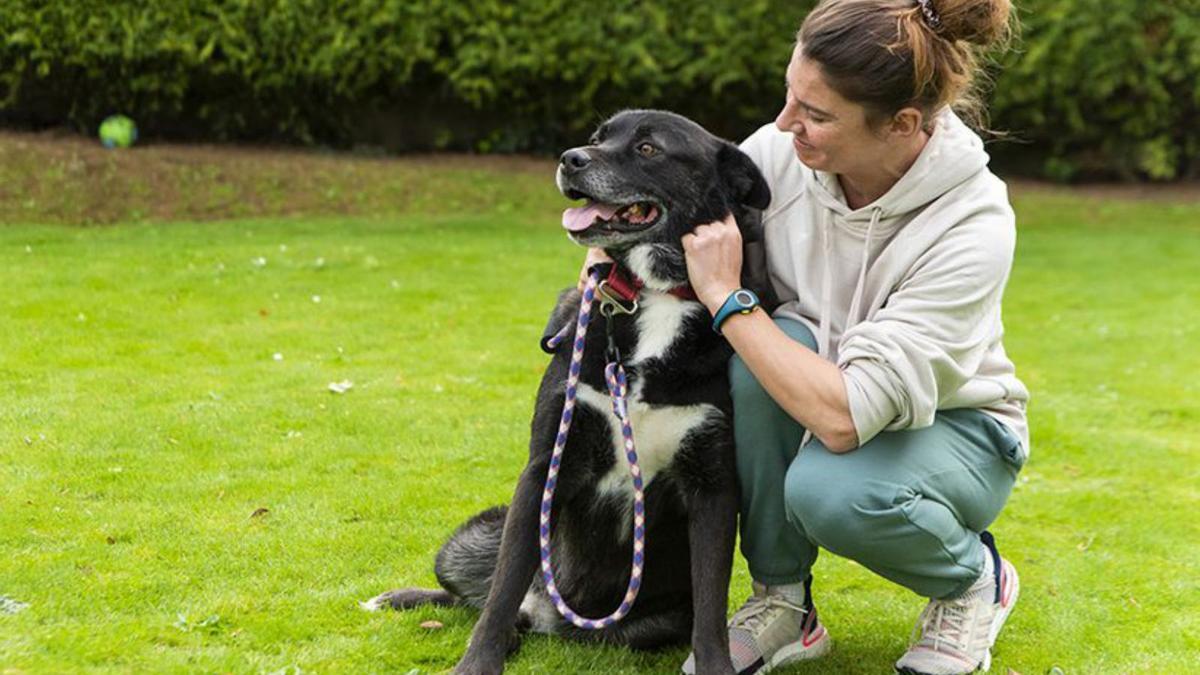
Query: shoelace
(947, 623)
(757, 609)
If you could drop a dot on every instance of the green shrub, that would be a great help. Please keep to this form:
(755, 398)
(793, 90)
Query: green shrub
(1094, 86)
(1098, 86)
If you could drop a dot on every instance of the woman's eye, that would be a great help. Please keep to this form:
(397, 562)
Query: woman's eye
(647, 150)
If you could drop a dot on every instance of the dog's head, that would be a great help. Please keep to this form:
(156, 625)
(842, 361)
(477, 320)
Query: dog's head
(649, 177)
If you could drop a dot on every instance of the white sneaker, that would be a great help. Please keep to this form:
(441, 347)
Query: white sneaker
(957, 635)
(772, 630)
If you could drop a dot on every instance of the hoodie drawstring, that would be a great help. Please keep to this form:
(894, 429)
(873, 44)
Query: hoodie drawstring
(823, 325)
(860, 287)
(823, 320)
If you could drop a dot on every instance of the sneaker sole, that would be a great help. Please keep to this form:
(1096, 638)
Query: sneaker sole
(798, 651)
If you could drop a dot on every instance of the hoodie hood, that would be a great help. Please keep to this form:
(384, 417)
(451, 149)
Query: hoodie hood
(952, 156)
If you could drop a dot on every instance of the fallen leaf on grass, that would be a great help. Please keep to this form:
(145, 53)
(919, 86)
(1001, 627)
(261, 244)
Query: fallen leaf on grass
(432, 625)
(260, 511)
(341, 387)
(211, 625)
(10, 606)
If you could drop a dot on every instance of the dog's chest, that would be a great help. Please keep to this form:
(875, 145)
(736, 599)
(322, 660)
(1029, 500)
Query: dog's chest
(660, 319)
(658, 430)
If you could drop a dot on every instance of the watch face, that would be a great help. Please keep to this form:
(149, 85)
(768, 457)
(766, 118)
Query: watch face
(744, 298)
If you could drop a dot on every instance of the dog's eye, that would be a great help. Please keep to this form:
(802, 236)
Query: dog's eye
(647, 150)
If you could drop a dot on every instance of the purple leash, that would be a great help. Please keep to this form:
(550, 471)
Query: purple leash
(614, 375)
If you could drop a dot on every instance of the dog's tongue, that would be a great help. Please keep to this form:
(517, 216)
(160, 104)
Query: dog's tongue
(581, 217)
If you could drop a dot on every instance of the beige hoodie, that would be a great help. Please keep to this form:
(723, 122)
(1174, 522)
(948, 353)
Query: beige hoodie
(903, 294)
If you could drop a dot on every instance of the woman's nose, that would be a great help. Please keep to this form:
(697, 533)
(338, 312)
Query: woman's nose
(788, 120)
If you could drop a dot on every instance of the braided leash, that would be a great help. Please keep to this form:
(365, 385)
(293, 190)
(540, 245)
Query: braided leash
(614, 375)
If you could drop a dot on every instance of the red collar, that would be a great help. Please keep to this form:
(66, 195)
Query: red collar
(627, 285)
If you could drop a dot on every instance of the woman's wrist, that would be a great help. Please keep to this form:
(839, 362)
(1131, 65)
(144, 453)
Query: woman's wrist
(715, 296)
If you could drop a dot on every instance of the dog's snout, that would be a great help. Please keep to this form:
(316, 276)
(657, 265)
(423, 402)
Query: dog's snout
(574, 159)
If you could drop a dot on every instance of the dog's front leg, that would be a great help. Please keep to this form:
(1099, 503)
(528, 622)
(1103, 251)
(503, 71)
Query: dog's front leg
(515, 567)
(712, 523)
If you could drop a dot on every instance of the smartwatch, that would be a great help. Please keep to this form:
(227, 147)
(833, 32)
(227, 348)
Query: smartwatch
(741, 301)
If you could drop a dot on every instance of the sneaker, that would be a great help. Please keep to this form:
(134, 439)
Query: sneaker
(772, 630)
(957, 635)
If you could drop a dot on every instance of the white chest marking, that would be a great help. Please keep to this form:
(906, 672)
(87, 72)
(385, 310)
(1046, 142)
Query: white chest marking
(657, 433)
(659, 320)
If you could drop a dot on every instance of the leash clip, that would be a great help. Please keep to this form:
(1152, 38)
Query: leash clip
(611, 302)
(611, 353)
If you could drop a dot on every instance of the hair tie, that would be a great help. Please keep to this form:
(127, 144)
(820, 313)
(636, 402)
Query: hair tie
(931, 16)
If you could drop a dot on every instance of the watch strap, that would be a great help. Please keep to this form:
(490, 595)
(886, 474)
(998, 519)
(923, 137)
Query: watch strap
(741, 301)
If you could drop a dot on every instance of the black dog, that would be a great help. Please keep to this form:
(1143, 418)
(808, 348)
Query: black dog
(649, 177)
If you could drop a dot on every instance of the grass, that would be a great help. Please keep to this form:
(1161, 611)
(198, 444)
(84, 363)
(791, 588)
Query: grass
(147, 423)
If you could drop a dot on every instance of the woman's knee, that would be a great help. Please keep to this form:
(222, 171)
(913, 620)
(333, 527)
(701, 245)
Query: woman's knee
(837, 510)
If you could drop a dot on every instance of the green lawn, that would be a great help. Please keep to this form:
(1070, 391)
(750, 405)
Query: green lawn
(146, 418)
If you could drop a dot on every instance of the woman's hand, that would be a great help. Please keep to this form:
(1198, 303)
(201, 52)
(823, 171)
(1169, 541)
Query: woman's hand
(595, 256)
(714, 261)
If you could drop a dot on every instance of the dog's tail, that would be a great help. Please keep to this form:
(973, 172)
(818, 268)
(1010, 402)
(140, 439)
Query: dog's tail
(407, 598)
(464, 568)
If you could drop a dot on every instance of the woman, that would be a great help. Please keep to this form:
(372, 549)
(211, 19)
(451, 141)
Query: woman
(876, 414)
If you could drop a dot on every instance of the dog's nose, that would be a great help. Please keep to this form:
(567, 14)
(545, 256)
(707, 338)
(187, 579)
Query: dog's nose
(574, 159)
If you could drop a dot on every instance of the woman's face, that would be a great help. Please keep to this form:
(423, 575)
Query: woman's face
(829, 133)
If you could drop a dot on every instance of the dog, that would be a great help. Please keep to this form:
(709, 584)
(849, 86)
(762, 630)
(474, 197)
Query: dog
(648, 177)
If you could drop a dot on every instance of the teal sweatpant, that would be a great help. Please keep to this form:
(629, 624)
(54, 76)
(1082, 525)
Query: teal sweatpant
(908, 505)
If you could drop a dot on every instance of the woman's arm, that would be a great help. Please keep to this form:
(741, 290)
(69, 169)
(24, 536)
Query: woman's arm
(807, 387)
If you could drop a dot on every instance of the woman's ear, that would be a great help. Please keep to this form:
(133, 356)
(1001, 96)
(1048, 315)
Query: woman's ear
(907, 122)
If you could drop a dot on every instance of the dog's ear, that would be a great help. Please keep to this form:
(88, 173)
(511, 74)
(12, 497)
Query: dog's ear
(742, 178)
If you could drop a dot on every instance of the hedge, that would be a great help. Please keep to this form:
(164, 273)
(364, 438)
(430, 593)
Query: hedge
(1093, 86)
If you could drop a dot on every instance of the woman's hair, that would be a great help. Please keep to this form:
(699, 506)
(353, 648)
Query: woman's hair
(890, 54)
